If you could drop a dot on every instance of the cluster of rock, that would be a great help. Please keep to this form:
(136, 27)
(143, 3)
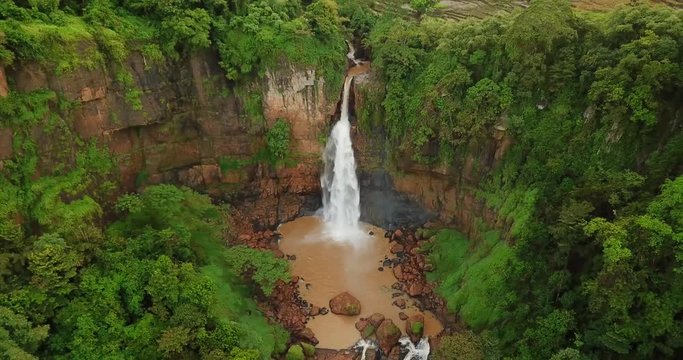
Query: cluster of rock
(409, 266)
(387, 334)
(288, 307)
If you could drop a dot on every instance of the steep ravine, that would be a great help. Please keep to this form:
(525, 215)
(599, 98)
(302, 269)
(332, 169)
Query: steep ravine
(192, 120)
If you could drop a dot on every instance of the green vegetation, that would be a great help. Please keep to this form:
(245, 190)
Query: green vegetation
(132, 94)
(147, 285)
(587, 261)
(417, 328)
(295, 352)
(227, 164)
(591, 268)
(277, 140)
(309, 350)
(421, 6)
(262, 266)
(472, 280)
(275, 153)
(464, 345)
(250, 36)
(149, 276)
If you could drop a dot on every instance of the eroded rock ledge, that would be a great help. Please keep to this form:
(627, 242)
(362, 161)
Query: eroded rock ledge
(189, 121)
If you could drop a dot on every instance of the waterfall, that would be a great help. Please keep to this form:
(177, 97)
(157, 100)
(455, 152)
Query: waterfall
(363, 345)
(341, 195)
(419, 352)
(351, 55)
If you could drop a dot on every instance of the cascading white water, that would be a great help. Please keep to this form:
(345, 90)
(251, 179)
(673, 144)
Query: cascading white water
(341, 195)
(419, 352)
(363, 345)
(351, 55)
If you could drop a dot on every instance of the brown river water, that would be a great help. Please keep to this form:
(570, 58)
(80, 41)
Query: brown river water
(332, 267)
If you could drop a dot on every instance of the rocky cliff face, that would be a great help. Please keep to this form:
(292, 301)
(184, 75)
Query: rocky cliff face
(448, 192)
(190, 120)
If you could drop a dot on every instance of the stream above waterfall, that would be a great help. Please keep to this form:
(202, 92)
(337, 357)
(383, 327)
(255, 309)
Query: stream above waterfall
(327, 268)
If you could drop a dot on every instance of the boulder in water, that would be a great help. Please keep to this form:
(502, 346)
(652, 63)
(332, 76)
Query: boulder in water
(365, 328)
(314, 311)
(387, 335)
(400, 303)
(402, 316)
(345, 304)
(415, 327)
(376, 319)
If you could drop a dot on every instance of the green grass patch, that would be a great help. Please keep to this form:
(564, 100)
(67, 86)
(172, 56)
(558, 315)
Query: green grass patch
(471, 279)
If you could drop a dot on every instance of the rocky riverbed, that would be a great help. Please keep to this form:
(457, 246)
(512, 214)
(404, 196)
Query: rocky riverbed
(405, 305)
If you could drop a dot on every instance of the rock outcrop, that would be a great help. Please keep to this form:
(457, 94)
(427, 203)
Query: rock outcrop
(447, 191)
(191, 127)
(345, 304)
(387, 335)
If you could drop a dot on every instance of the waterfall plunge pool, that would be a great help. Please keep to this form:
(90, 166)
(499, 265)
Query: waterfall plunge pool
(327, 268)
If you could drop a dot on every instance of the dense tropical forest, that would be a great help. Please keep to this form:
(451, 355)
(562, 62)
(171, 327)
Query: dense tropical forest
(588, 261)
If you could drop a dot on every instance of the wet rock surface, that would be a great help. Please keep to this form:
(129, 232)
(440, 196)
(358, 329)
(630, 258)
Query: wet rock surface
(383, 206)
(409, 267)
(387, 335)
(345, 304)
(415, 327)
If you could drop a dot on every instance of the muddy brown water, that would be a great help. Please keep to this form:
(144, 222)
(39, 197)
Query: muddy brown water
(328, 268)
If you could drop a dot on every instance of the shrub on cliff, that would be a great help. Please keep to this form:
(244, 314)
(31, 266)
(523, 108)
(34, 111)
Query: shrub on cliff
(277, 139)
(295, 352)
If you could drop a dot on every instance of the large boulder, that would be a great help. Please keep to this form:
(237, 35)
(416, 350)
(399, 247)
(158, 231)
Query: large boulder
(387, 335)
(345, 304)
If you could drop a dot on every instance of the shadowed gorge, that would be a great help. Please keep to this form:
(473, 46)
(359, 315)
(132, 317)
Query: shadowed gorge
(341, 179)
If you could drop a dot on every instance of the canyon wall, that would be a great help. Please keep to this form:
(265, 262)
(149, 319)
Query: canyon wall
(448, 192)
(196, 128)
(191, 120)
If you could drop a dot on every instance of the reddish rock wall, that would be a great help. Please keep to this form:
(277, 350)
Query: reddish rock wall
(191, 117)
